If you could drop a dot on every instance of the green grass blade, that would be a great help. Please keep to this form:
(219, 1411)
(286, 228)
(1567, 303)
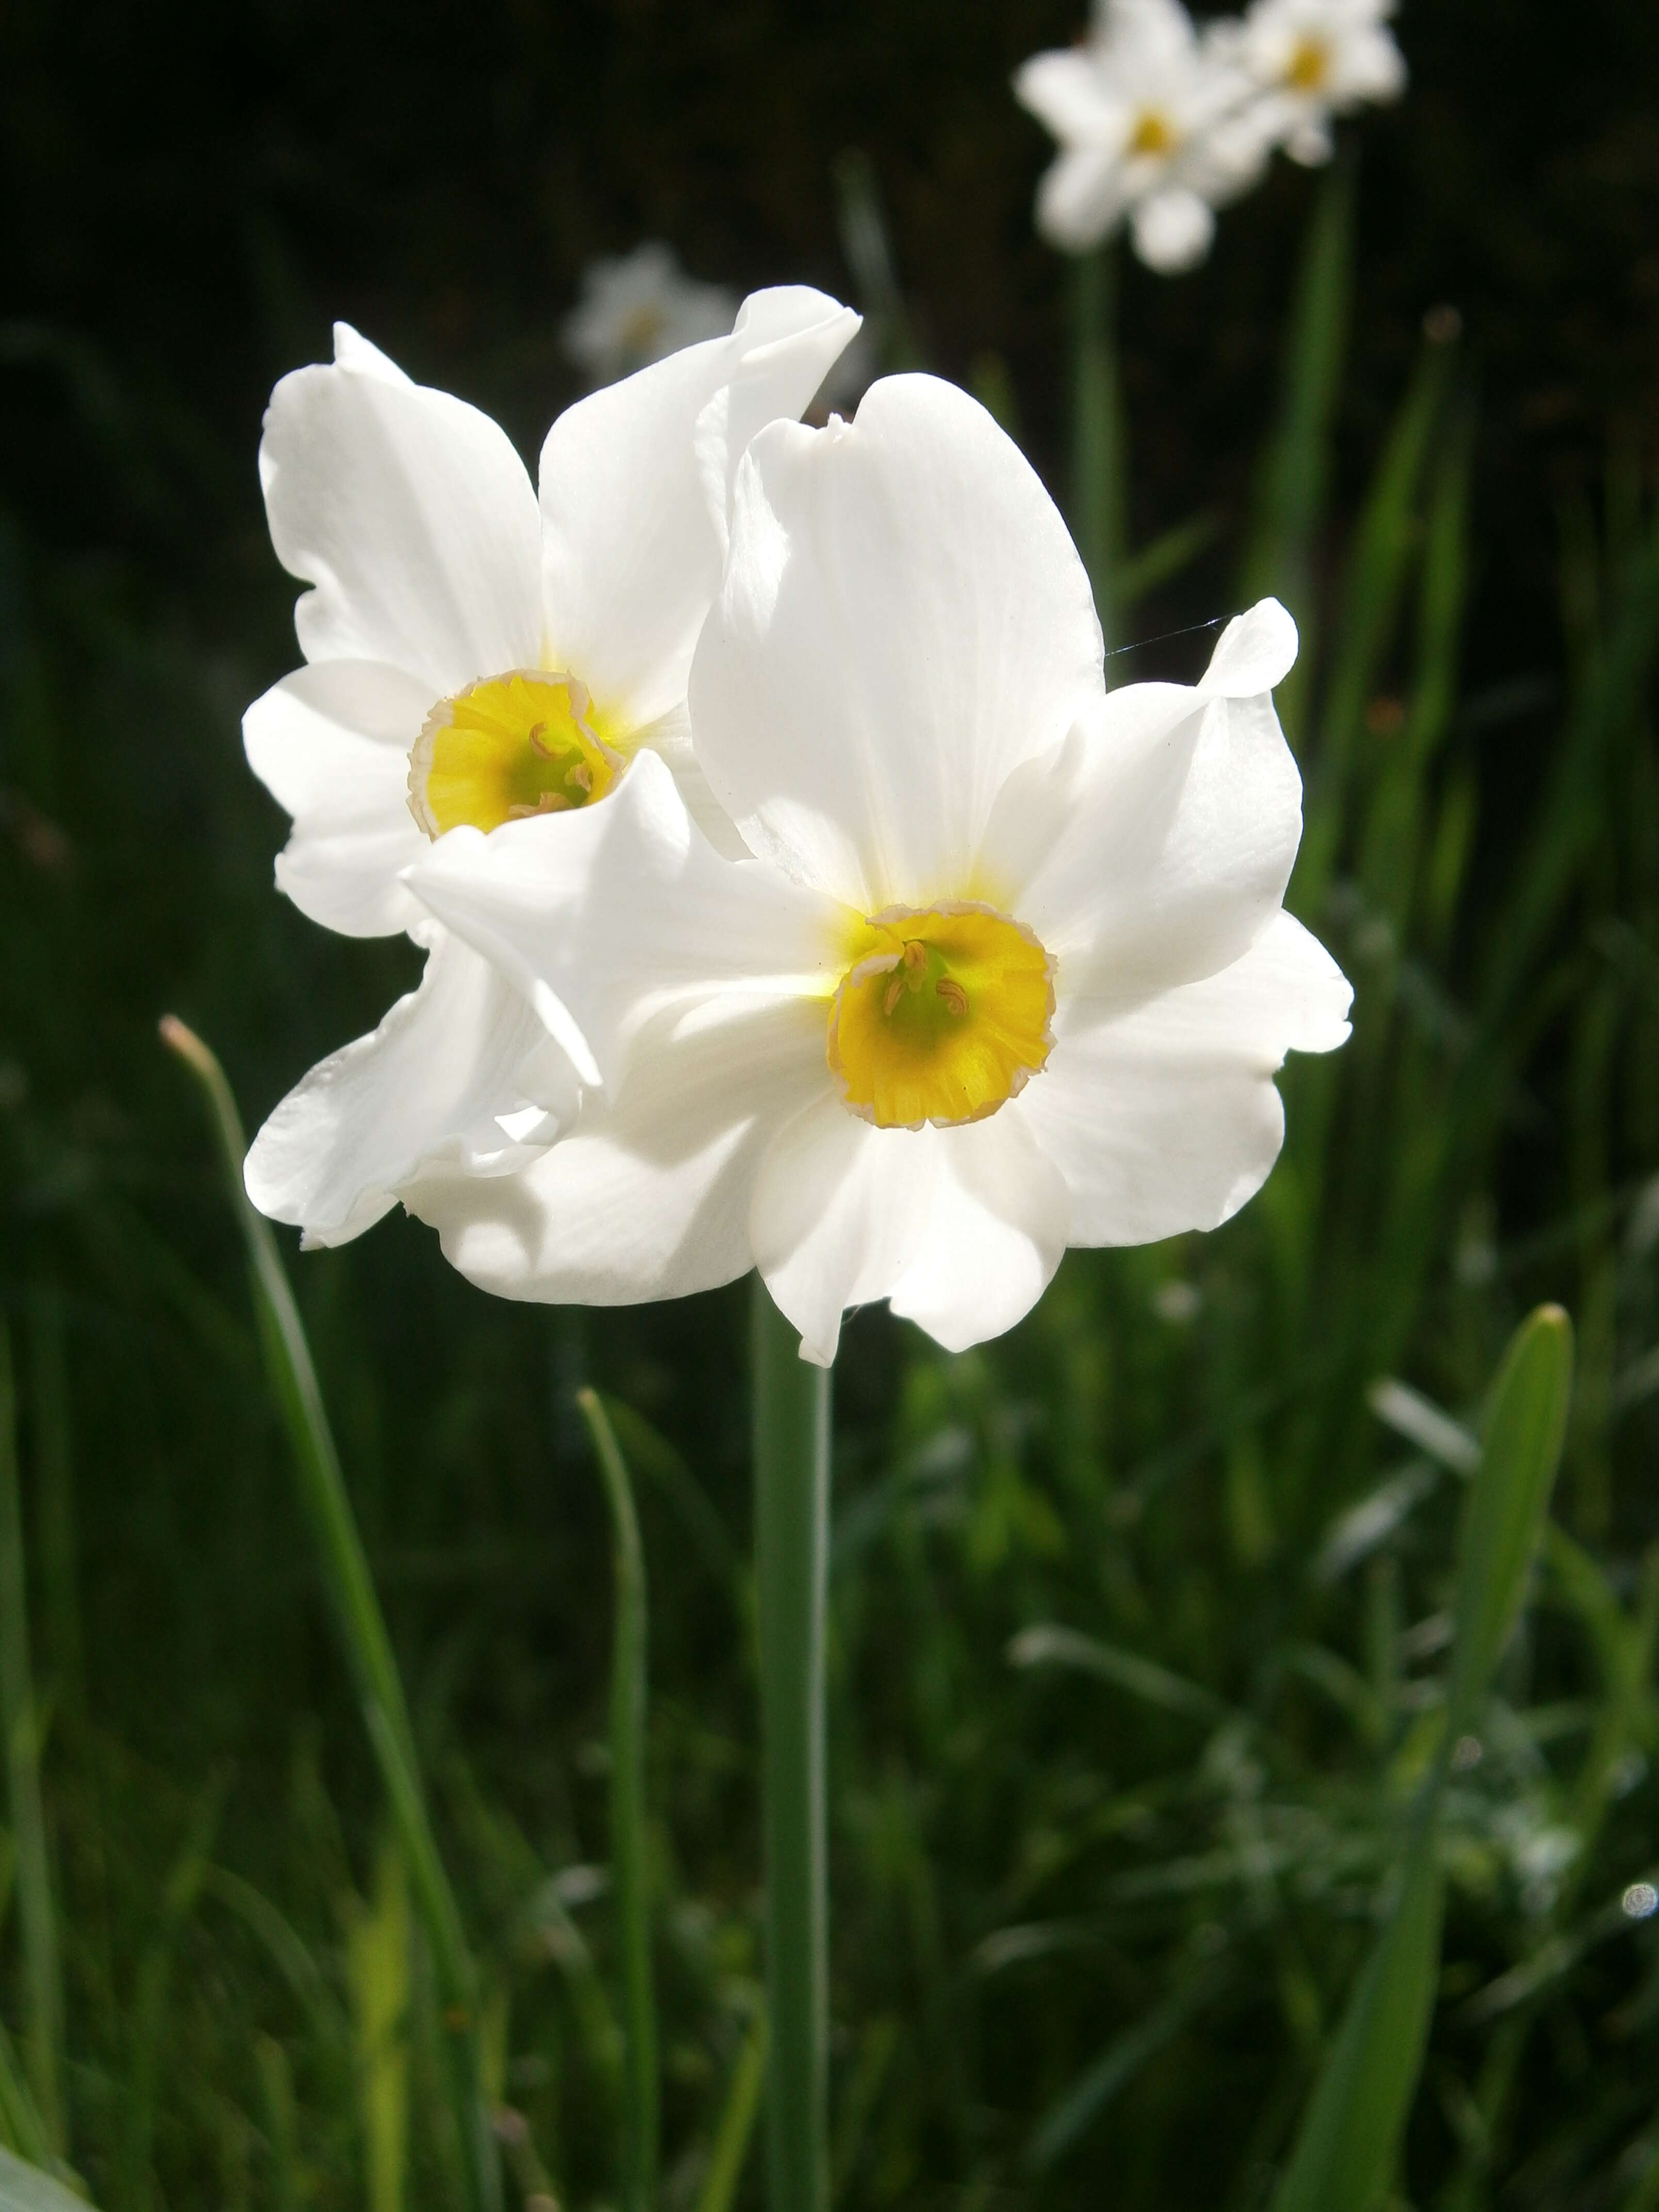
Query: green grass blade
(1099, 504)
(1165, 557)
(630, 1873)
(368, 1647)
(20, 1718)
(1048, 1644)
(1113, 2071)
(1345, 2153)
(1509, 1497)
(1383, 548)
(737, 2121)
(54, 1490)
(282, 2123)
(377, 1973)
(1295, 471)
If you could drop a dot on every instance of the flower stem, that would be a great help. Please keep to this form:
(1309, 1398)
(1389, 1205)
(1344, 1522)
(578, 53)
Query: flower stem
(363, 1631)
(792, 1524)
(628, 1875)
(1099, 487)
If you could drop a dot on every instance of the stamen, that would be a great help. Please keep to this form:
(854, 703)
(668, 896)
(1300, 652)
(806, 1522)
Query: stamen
(951, 992)
(893, 993)
(581, 777)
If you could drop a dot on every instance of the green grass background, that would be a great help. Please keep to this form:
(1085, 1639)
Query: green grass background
(1140, 1616)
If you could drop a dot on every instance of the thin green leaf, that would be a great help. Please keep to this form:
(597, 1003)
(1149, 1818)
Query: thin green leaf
(737, 2121)
(1047, 1644)
(293, 1380)
(19, 1718)
(1504, 1517)
(1345, 2153)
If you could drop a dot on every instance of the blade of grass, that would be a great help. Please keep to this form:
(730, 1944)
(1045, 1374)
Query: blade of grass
(1295, 471)
(737, 2121)
(1383, 547)
(54, 1485)
(367, 1645)
(1508, 1498)
(19, 1717)
(377, 1974)
(1349, 2140)
(630, 1875)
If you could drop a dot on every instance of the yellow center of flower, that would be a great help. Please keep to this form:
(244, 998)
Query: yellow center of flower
(1153, 133)
(1308, 66)
(505, 748)
(942, 1016)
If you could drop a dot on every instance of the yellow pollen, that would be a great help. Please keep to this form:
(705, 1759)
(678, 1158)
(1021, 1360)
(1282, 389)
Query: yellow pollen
(1152, 134)
(506, 748)
(943, 1015)
(1308, 66)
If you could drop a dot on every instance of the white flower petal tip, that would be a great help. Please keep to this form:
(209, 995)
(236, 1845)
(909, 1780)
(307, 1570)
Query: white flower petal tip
(1254, 654)
(904, 619)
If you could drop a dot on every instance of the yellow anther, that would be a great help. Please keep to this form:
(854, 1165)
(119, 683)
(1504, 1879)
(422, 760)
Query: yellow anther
(505, 749)
(1152, 134)
(904, 1055)
(1308, 66)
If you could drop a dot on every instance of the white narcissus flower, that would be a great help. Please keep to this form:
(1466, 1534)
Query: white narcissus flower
(1315, 59)
(477, 655)
(1007, 966)
(639, 309)
(1154, 128)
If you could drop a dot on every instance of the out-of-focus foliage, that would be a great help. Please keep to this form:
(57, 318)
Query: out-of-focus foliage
(1140, 1618)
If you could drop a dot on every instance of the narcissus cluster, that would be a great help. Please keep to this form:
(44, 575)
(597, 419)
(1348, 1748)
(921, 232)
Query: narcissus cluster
(796, 894)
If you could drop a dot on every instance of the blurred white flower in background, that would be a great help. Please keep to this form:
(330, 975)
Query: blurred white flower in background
(639, 309)
(479, 651)
(1159, 123)
(1156, 127)
(1316, 59)
(1004, 967)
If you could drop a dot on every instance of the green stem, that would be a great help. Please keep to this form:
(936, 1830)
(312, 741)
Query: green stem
(1099, 500)
(21, 1721)
(792, 1527)
(628, 1875)
(363, 1630)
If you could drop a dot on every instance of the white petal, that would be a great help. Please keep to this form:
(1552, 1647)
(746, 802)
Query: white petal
(1154, 848)
(409, 513)
(330, 743)
(1172, 230)
(425, 1087)
(607, 916)
(1253, 653)
(903, 619)
(996, 1233)
(1168, 1119)
(632, 541)
(1080, 198)
(649, 1199)
(839, 1211)
(1064, 89)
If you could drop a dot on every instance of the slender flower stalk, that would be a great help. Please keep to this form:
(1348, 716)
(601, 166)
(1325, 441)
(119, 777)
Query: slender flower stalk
(791, 1409)
(362, 1628)
(629, 1871)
